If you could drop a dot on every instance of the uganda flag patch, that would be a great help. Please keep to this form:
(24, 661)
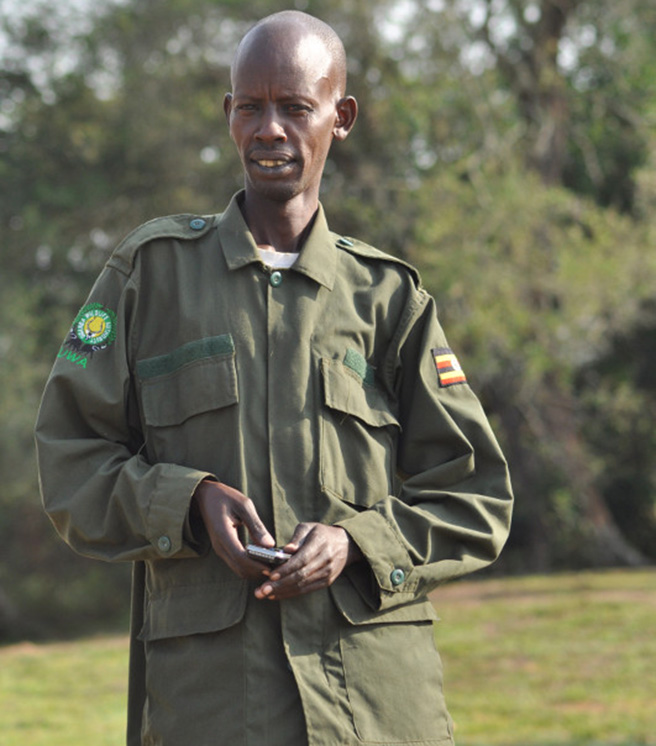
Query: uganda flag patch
(449, 372)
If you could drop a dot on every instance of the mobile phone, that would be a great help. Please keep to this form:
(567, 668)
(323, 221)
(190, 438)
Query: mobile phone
(273, 556)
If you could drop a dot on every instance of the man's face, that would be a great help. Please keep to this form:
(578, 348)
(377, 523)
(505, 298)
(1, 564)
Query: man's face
(283, 115)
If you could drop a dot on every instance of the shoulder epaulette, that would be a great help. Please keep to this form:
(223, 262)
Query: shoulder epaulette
(183, 227)
(359, 248)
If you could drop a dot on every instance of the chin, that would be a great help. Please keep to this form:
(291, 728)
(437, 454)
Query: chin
(276, 191)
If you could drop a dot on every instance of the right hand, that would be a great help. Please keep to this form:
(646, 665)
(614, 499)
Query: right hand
(223, 510)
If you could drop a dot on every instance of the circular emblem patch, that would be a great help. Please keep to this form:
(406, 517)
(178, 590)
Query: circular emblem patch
(95, 326)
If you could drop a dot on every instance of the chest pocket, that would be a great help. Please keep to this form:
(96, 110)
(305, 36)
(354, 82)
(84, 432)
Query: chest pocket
(359, 435)
(188, 402)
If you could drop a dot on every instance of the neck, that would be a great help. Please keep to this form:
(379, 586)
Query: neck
(282, 226)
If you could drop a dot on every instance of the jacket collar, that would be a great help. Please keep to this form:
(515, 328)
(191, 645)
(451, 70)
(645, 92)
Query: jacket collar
(318, 257)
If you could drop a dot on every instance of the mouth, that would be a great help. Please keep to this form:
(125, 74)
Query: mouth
(272, 162)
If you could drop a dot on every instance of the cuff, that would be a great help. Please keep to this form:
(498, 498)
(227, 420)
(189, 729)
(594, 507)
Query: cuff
(171, 529)
(388, 559)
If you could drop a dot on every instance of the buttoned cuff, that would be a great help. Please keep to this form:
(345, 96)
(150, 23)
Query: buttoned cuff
(388, 559)
(171, 529)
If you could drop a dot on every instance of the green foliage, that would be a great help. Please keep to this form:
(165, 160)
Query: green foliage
(510, 254)
(618, 393)
(613, 89)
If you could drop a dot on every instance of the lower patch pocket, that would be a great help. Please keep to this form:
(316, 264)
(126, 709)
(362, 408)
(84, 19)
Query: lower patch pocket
(192, 684)
(393, 676)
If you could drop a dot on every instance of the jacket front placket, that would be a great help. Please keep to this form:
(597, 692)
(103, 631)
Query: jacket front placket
(297, 309)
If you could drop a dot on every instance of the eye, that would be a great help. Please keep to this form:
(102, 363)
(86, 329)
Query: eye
(296, 108)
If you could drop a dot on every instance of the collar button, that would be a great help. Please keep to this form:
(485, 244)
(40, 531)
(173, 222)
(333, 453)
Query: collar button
(275, 279)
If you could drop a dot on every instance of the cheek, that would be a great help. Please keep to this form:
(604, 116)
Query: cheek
(323, 146)
(322, 140)
(239, 130)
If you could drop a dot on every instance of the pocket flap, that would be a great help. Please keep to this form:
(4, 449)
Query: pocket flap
(192, 610)
(357, 611)
(345, 392)
(202, 385)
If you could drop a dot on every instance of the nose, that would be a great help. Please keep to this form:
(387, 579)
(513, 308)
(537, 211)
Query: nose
(271, 128)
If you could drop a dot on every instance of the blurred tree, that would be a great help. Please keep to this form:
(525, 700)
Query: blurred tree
(582, 76)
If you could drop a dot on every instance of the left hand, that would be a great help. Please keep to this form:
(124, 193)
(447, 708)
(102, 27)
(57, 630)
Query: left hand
(320, 553)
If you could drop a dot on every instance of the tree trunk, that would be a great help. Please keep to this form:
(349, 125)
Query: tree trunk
(532, 70)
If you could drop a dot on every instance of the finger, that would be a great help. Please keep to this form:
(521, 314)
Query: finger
(227, 544)
(256, 528)
(313, 554)
(281, 593)
(301, 532)
(317, 563)
(264, 591)
(301, 565)
(238, 560)
(229, 509)
(317, 574)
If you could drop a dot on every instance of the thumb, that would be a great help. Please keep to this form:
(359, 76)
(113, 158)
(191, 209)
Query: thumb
(301, 532)
(256, 528)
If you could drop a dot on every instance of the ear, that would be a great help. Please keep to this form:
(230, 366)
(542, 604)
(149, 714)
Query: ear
(347, 112)
(227, 106)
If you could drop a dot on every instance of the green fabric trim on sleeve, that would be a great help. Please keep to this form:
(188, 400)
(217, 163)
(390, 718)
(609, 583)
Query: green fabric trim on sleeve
(188, 353)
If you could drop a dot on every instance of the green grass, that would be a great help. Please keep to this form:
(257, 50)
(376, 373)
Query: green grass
(64, 694)
(564, 660)
(558, 660)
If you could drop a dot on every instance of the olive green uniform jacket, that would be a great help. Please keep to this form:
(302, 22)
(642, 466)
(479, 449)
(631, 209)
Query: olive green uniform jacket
(325, 392)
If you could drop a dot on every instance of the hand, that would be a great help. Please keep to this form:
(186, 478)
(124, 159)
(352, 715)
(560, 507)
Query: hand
(223, 510)
(320, 554)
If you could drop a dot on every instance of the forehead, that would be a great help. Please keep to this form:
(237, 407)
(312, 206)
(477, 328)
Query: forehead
(294, 63)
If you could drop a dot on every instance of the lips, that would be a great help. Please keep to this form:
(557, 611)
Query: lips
(266, 163)
(271, 159)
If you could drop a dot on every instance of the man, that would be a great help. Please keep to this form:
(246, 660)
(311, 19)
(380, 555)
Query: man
(251, 376)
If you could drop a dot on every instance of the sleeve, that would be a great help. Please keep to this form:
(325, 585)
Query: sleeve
(452, 513)
(104, 498)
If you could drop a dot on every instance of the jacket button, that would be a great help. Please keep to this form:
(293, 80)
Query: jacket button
(275, 279)
(164, 544)
(197, 224)
(397, 576)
